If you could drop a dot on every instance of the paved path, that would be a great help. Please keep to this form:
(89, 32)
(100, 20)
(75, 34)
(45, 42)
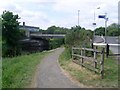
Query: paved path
(50, 74)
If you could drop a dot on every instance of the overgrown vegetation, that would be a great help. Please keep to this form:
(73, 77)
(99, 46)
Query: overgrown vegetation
(55, 43)
(10, 34)
(112, 30)
(18, 72)
(90, 78)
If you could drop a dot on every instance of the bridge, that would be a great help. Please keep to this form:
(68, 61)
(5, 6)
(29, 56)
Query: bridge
(36, 41)
(40, 35)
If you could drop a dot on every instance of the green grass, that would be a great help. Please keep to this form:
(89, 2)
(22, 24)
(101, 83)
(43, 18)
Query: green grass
(90, 78)
(19, 71)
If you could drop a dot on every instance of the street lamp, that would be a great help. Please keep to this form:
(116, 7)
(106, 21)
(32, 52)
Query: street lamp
(78, 17)
(94, 24)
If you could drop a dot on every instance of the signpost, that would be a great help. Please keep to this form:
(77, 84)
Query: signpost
(106, 19)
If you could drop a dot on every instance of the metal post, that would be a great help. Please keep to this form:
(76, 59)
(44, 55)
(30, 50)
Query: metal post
(106, 19)
(105, 31)
(78, 17)
(94, 24)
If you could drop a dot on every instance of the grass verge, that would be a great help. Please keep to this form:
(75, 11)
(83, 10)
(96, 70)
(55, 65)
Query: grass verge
(18, 71)
(90, 78)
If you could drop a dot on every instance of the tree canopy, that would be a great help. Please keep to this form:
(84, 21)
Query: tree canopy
(112, 30)
(10, 33)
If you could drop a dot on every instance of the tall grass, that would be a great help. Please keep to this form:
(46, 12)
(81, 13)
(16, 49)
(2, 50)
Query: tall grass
(18, 71)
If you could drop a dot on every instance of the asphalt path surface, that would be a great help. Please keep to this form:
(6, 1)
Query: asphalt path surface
(50, 74)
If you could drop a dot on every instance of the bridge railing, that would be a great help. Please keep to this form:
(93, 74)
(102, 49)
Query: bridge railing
(47, 35)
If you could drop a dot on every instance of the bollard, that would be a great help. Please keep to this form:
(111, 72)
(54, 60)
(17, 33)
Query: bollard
(107, 50)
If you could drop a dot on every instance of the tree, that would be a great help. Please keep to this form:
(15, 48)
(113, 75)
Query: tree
(100, 31)
(78, 37)
(113, 30)
(10, 34)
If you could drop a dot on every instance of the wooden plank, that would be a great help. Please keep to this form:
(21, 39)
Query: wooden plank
(87, 66)
(88, 58)
(93, 50)
(87, 49)
(76, 48)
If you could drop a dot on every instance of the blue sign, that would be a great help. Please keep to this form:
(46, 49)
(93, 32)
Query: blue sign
(101, 16)
(94, 23)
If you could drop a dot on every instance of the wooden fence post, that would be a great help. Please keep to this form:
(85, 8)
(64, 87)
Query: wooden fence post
(72, 54)
(82, 56)
(92, 53)
(84, 53)
(102, 63)
(95, 63)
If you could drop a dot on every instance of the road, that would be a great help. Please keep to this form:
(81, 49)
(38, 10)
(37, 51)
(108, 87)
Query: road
(50, 74)
(112, 41)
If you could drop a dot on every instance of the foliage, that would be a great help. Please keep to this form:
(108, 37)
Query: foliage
(75, 36)
(55, 43)
(112, 30)
(18, 72)
(10, 34)
(100, 31)
(54, 30)
(78, 37)
(65, 57)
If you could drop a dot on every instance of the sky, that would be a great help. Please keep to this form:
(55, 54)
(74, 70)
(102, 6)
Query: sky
(63, 13)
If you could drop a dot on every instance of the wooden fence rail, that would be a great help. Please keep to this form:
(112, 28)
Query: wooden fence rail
(79, 56)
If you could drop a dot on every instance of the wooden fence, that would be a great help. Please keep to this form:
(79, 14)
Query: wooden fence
(89, 58)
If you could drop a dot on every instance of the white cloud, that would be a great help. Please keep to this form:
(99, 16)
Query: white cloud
(61, 12)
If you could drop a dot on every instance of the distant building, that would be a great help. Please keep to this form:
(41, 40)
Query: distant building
(28, 29)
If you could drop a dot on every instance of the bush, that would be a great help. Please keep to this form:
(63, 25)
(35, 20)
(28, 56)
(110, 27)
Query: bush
(55, 43)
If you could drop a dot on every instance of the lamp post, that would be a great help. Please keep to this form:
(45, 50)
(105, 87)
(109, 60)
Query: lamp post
(94, 24)
(78, 17)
